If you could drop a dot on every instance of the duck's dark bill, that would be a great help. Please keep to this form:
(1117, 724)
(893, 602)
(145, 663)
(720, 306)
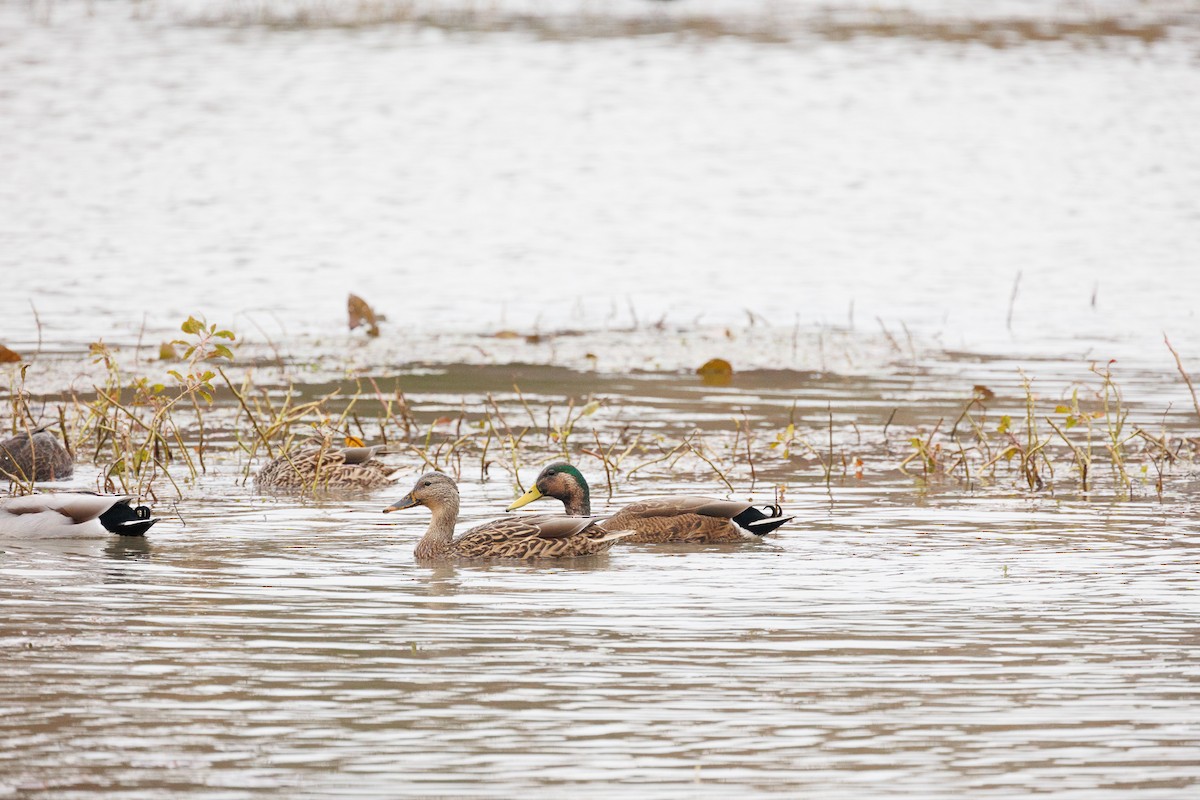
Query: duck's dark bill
(404, 502)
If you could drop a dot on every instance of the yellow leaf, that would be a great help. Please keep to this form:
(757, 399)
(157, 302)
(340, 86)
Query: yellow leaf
(716, 372)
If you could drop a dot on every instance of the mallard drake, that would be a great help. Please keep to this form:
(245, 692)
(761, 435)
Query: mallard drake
(682, 518)
(35, 455)
(328, 468)
(73, 514)
(541, 536)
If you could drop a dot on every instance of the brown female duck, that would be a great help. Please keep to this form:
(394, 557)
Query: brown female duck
(682, 518)
(328, 469)
(35, 455)
(541, 536)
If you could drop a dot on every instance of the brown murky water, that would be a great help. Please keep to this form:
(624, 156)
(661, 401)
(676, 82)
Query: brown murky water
(870, 198)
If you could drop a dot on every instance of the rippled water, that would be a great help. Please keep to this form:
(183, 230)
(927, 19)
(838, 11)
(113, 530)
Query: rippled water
(872, 197)
(883, 645)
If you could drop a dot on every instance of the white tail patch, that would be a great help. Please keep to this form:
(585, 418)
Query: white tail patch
(770, 522)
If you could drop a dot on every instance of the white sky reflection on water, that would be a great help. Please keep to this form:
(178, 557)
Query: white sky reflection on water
(465, 182)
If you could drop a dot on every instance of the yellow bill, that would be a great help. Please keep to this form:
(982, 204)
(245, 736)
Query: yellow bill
(526, 499)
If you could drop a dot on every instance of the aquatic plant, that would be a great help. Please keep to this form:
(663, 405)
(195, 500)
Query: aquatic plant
(178, 419)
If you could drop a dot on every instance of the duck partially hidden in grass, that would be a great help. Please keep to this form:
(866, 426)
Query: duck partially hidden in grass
(681, 518)
(540, 536)
(327, 469)
(73, 514)
(35, 455)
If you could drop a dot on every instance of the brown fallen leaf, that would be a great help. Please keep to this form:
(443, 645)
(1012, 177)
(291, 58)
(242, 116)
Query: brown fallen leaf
(982, 392)
(361, 314)
(716, 372)
(8, 356)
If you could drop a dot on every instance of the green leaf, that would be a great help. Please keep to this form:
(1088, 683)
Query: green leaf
(1061, 409)
(192, 326)
(1072, 422)
(1005, 424)
(174, 374)
(225, 335)
(221, 351)
(208, 376)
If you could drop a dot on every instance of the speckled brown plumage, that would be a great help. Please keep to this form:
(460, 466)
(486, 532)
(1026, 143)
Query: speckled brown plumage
(680, 519)
(35, 456)
(330, 468)
(532, 537)
(524, 537)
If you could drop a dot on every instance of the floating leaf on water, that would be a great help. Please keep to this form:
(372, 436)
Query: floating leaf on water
(362, 314)
(8, 356)
(506, 334)
(716, 372)
(533, 338)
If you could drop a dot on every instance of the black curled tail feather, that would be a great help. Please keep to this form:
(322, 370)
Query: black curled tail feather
(761, 524)
(127, 521)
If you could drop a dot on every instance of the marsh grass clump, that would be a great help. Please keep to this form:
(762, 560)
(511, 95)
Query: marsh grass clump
(1089, 429)
(208, 410)
(136, 427)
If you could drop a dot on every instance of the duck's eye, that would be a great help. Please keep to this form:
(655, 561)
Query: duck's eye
(551, 474)
(427, 483)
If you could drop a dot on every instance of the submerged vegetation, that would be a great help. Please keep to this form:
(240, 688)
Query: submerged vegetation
(767, 23)
(203, 411)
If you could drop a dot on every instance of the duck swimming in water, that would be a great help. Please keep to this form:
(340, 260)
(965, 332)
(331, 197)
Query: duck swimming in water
(681, 518)
(327, 468)
(540, 536)
(71, 514)
(35, 455)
